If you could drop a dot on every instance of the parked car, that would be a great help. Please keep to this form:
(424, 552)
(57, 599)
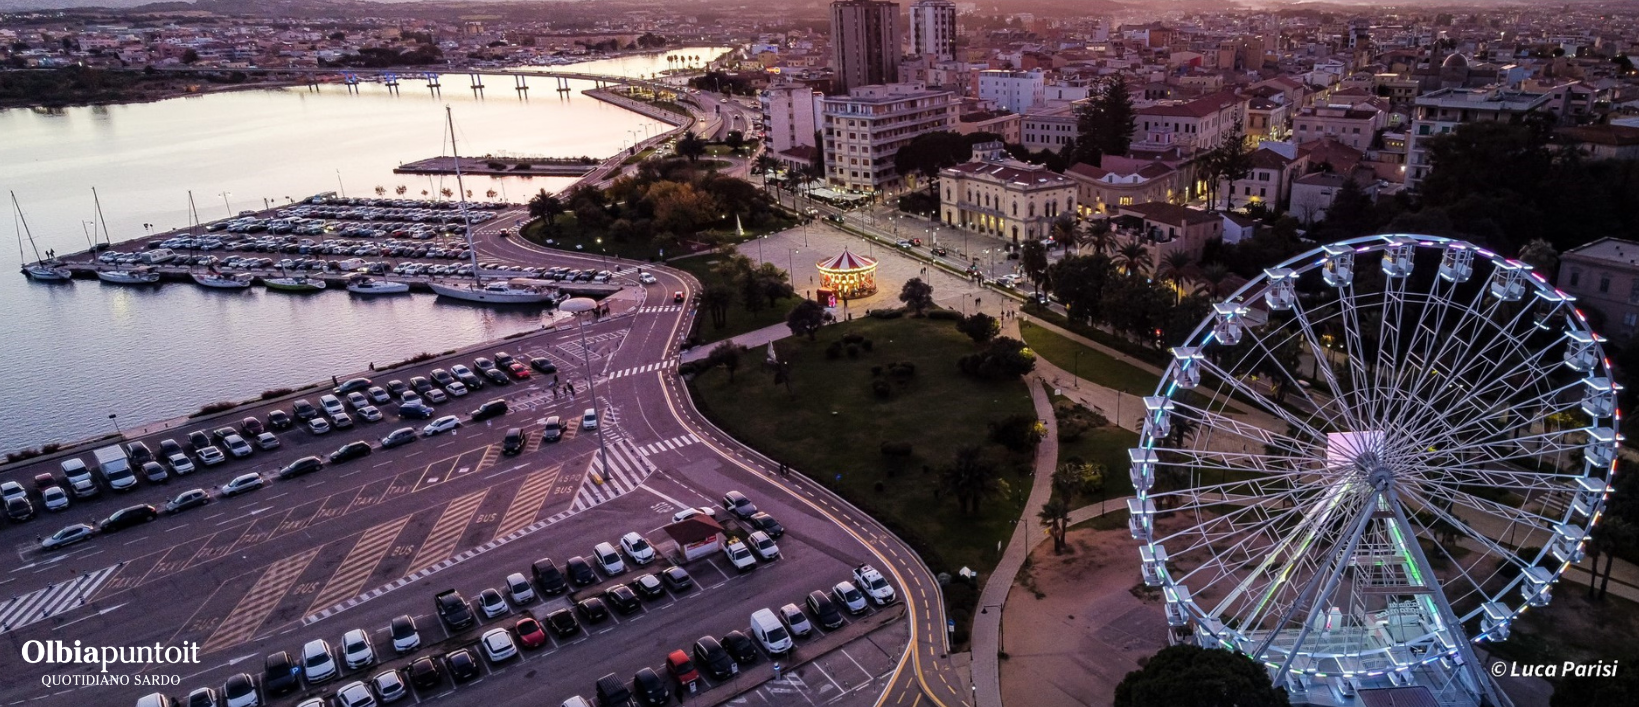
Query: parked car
(490, 408)
(279, 420)
(280, 674)
(580, 571)
(463, 666)
(649, 689)
(425, 673)
(681, 669)
(874, 585)
(593, 610)
(209, 455)
(242, 484)
(622, 598)
(304, 410)
(498, 645)
(530, 633)
(563, 623)
(405, 636)
(128, 517)
(824, 610)
(648, 586)
(608, 559)
(763, 545)
(737, 503)
(68, 536)
(553, 430)
(513, 443)
(770, 632)
(389, 686)
(795, 620)
(637, 548)
(357, 650)
(740, 647)
(443, 424)
(267, 440)
(491, 603)
(192, 498)
(519, 589)
(677, 579)
(398, 437)
(350, 451)
(355, 694)
(849, 597)
(711, 658)
(738, 555)
(766, 523)
(318, 663)
(453, 609)
(415, 411)
(589, 420)
(548, 577)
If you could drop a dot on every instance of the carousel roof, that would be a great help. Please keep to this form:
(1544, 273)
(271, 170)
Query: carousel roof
(847, 261)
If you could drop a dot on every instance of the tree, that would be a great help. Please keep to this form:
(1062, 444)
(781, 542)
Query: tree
(1611, 534)
(1055, 514)
(716, 299)
(727, 355)
(400, 189)
(979, 327)
(1078, 479)
(1101, 237)
(917, 295)
(1104, 125)
(1004, 358)
(735, 141)
(190, 57)
(691, 146)
(772, 283)
(1134, 258)
(1078, 281)
(1033, 258)
(1191, 676)
(1174, 269)
(1541, 256)
(928, 153)
(1213, 276)
(546, 207)
(969, 477)
(1351, 213)
(1065, 232)
(805, 318)
(1226, 162)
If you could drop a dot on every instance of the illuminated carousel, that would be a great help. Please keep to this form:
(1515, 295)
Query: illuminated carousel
(847, 275)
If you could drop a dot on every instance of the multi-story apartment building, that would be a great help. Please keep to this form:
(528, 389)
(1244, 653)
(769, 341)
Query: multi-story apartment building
(1355, 127)
(788, 113)
(864, 43)
(865, 129)
(1049, 129)
(1119, 181)
(1169, 228)
(933, 29)
(998, 196)
(1440, 112)
(1189, 125)
(1017, 91)
(1604, 277)
(1269, 182)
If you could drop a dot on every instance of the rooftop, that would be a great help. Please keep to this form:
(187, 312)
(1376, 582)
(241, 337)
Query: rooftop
(1614, 251)
(1171, 214)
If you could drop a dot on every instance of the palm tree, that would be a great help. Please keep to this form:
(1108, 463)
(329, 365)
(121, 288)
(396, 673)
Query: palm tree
(1055, 514)
(1101, 237)
(716, 300)
(546, 206)
(1133, 257)
(766, 163)
(381, 190)
(1212, 276)
(691, 146)
(970, 477)
(1173, 269)
(1064, 231)
(400, 189)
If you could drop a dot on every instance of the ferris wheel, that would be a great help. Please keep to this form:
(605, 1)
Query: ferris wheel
(1370, 457)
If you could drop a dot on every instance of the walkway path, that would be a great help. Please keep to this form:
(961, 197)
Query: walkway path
(987, 625)
(754, 340)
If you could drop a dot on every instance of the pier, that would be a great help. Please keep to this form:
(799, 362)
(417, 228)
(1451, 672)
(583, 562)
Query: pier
(502, 166)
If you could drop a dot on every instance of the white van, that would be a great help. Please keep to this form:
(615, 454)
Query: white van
(589, 420)
(768, 630)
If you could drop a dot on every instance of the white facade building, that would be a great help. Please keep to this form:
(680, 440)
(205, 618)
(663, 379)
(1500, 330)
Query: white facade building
(933, 29)
(789, 112)
(1017, 91)
(865, 129)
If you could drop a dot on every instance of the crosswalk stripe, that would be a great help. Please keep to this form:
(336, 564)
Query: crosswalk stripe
(361, 561)
(528, 500)
(260, 601)
(627, 469)
(447, 531)
(667, 445)
(52, 600)
(639, 369)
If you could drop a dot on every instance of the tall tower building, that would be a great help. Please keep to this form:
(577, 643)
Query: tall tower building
(933, 29)
(864, 43)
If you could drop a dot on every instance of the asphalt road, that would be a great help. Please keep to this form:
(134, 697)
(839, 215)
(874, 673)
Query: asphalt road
(361, 542)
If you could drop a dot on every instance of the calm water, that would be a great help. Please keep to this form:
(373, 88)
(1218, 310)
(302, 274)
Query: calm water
(81, 351)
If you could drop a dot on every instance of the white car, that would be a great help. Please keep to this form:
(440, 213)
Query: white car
(12, 490)
(355, 694)
(370, 413)
(405, 636)
(498, 645)
(589, 420)
(491, 603)
(442, 424)
(356, 649)
(436, 396)
(608, 559)
(379, 395)
(243, 483)
(849, 597)
(519, 588)
(318, 665)
(68, 536)
(267, 440)
(763, 545)
(55, 498)
(646, 279)
(180, 463)
(389, 686)
(637, 548)
(738, 555)
(209, 455)
(343, 421)
(687, 513)
(875, 585)
(331, 404)
(456, 389)
(318, 425)
(237, 446)
(357, 400)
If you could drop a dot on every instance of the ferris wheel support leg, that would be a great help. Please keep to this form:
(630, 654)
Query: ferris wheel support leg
(1471, 662)
(1341, 562)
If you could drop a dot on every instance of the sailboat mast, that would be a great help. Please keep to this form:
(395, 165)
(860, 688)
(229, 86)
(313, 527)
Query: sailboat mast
(466, 220)
(193, 216)
(100, 219)
(21, 219)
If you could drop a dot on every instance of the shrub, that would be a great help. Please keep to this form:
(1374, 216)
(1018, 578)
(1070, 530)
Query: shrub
(276, 392)
(22, 454)
(213, 408)
(834, 351)
(495, 165)
(1019, 433)
(945, 314)
(902, 371)
(50, 448)
(1004, 358)
(852, 338)
(885, 313)
(866, 344)
(881, 388)
(896, 449)
(853, 350)
(877, 370)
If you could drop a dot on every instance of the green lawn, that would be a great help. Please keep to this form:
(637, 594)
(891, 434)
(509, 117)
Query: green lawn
(740, 320)
(831, 427)
(1105, 445)
(567, 234)
(1090, 364)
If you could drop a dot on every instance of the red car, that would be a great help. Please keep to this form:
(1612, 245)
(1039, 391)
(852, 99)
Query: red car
(681, 668)
(530, 633)
(519, 370)
(677, 296)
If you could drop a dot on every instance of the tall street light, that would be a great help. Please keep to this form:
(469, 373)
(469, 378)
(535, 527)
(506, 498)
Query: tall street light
(578, 306)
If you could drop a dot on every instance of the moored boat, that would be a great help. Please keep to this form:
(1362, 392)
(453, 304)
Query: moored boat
(494, 292)
(299, 283)
(364, 285)
(226, 281)
(139, 275)
(41, 269)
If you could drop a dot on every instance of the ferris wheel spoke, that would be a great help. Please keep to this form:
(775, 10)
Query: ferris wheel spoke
(1457, 415)
(1268, 405)
(1506, 479)
(1508, 514)
(1217, 460)
(1428, 335)
(1548, 403)
(1293, 382)
(1218, 422)
(1323, 363)
(1474, 585)
(1388, 338)
(1514, 448)
(1353, 346)
(1470, 365)
(1453, 345)
(1460, 526)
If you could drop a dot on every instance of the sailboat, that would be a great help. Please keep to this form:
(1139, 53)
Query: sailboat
(366, 285)
(39, 269)
(213, 277)
(139, 275)
(294, 283)
(515, 291)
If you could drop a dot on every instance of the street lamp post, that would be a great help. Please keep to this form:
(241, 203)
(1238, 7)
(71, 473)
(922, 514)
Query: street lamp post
(225, 204)
(114, 418)
(578, 306)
